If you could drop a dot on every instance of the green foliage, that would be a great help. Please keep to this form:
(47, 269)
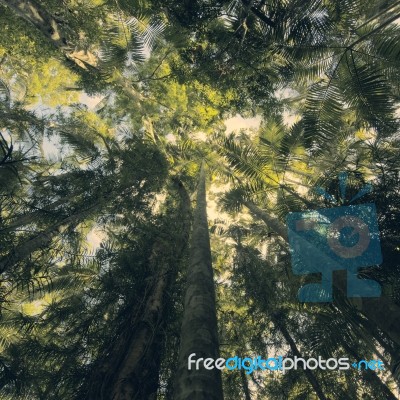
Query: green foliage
(100, 136)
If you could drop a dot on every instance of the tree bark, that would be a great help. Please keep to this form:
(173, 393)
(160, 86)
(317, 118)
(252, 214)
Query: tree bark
(199, 332)
(131, 371)
(42, 239)
(309, 374)
(248, 4)
(35, 14)
(245, 385)
(128, 385)
(382, 311)
(272, 222)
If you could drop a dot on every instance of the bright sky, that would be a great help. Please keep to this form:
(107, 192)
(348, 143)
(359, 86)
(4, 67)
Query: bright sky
(238, 122)
(235, 123)
(90, 101)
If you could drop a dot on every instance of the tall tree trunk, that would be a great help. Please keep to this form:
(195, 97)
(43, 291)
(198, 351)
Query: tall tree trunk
(382, 311)
(199, 332)
(131, 371)
(308, 373)
(245, 385)
(138, 361)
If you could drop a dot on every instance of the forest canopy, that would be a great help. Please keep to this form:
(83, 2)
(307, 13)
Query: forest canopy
(171, 174)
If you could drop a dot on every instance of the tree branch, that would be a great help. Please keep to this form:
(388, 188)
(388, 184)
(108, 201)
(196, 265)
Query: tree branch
(38, 16)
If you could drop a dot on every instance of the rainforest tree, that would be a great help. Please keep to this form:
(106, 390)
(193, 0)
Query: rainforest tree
(135, 230)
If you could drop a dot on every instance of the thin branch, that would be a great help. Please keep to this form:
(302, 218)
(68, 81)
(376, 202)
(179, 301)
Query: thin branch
(378, 28)
(378, 15)
(258, 13)
(7, 155)
(150, 77)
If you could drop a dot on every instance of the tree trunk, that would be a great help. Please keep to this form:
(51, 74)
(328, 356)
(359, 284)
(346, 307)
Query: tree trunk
(30, 218)
(245, 385)
(42, 239)
(382, 311)
(309, 374)
(136, 364)
(131, 371)
(35, 14)
(271, 222)
(199, 332)
(371, 376)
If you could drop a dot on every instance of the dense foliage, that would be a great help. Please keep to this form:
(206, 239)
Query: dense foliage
(113, 116)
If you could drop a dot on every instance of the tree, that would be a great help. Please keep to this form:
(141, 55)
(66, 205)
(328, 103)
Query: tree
(253, 164)
(131, 369)
(93, 237)
(199, 333)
